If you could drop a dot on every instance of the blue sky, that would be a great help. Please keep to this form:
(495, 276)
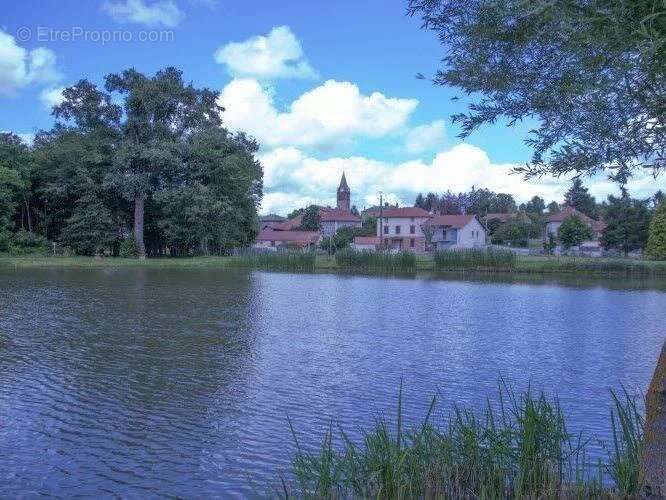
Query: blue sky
(324, 86)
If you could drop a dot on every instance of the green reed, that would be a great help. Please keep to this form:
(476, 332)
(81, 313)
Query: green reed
(521, 449)
(473, 258)
(298, 261)
(382, 261)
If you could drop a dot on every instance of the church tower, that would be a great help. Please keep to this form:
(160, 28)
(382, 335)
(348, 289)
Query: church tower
(344, 195)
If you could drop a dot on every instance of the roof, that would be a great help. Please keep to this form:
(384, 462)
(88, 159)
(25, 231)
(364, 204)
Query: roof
(271, 218)
(290, 224)
(568, 212)
(366, 240)
(343, 184)
(374, 211)
(455, 221)
(333, 214)
(404, 212)
(505, 216)
(295, 236)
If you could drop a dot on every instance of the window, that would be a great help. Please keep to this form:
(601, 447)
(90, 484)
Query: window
(385, 229)
(411, 242)
(397, 229)
(412, 229)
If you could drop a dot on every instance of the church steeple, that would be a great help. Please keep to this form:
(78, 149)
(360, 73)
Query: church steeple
(344, 195)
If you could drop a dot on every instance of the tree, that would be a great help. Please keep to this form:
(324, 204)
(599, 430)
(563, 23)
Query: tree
(573, 231)
(419, 202)
(627, 223)
(579, 198)
(90, 230)
(656, 245)
(14, 174)
(535, 206)
(311, 220)
(160, 113)
(553, 207)
(591, 73)
(658, 198)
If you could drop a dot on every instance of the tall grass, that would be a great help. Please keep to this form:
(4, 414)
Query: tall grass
(292, 261)
(520, 450)
(474, 258)
(379, 261)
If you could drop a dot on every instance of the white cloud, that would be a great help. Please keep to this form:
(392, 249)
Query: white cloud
(161, 13)
(291, 176)
(20, 67)
(425, 137)
(52, 97)
(328, 114)
(276, 55)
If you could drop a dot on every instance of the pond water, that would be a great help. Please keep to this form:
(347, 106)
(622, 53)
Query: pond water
(150, 382)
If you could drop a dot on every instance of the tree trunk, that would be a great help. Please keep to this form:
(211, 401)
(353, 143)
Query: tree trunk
(653, 460)
(138, 226)
(27, 215)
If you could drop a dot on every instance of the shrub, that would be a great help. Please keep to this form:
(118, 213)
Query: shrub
(25, 243)
(383, 261)
(573, 231)
(128, 248)
(291, 260)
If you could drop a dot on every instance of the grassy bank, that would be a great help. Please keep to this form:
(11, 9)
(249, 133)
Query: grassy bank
(466, 261)
(519, 449)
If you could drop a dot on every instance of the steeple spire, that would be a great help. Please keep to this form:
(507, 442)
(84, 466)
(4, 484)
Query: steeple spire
(343, 183)
(344, 195)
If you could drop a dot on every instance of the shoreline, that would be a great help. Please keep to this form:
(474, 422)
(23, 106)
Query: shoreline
(525, 265)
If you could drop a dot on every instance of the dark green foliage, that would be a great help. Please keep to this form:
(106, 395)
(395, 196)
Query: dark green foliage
(516, 232)
(517, 448)
(553, 207)
(15, 170)
(579, 198)
(590, 73)
(90, 230)
(656, 245)
(128, 248)
(625, 455)
(293, 261)
(550, 244)
(627, 223)
(469, 259)
(311, 220)
(380, 261)
(535, 206)
(25, 243)
(573, 231)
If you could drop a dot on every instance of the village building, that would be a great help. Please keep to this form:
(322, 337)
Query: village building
(400, 228)
(270, 221)
(591, 247)
(452, 232)
(270, 239)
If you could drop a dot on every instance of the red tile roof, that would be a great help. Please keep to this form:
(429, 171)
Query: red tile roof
(292, 236)
(455, 221)
(366, 240)
(290, 224)
(568, 212)
(404, 212)
(333, 214)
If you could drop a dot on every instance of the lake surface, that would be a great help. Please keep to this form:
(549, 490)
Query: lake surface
(149, 382)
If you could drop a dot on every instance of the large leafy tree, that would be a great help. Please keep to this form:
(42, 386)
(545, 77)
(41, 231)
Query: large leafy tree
(311, 220)
(627, 223)
(15, 171)
(591, 73)
(573, 231)
(535, 206)
(656, 245)
(160, 112)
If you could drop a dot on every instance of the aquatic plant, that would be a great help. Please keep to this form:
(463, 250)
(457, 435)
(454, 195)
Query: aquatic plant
(382, 261)
(520, 448)
(473, 259)
(295, 261)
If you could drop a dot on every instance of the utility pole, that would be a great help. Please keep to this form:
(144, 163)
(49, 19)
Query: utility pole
(381, 222)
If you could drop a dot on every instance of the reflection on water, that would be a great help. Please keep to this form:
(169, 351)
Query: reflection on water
(178, 382)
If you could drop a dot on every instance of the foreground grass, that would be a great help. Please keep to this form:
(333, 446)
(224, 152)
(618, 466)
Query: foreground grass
(468, 261)
(521, 450)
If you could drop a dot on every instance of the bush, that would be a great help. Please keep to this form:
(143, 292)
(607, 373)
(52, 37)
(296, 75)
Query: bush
(573, 231)
(25, 243)
(489, 258)
(128, 248)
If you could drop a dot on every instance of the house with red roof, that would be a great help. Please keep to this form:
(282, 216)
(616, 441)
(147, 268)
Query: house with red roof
(452, 232)
(271, 239)
(591, 247)
(399, 228)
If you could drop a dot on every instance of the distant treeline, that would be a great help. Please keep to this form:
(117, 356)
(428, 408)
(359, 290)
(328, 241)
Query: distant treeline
(143, 166)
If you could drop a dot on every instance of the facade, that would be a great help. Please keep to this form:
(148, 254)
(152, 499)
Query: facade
(271, 239)
(334, 219)
(365, 243)
(453, 232)
(400, 228)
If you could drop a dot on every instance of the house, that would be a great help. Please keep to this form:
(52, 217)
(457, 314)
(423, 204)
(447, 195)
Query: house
(270, 221)
(271, 239)
(452, 232)
(365, 243)
(591, 247)
(400, 228)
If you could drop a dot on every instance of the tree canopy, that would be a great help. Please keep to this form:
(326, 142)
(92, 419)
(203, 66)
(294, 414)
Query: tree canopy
(591, 73)
(627, 224)
(573, 231)
(656, 245)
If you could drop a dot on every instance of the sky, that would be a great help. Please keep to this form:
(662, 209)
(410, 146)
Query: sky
(325, 87)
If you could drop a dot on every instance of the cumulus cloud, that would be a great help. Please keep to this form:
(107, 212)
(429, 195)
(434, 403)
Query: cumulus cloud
(161, 13)
(52, 97)
(425, 137)
(292, 176)
(276, 55)
(20, 67)
(328, 114)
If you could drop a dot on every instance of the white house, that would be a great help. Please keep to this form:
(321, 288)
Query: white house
(455, 232)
